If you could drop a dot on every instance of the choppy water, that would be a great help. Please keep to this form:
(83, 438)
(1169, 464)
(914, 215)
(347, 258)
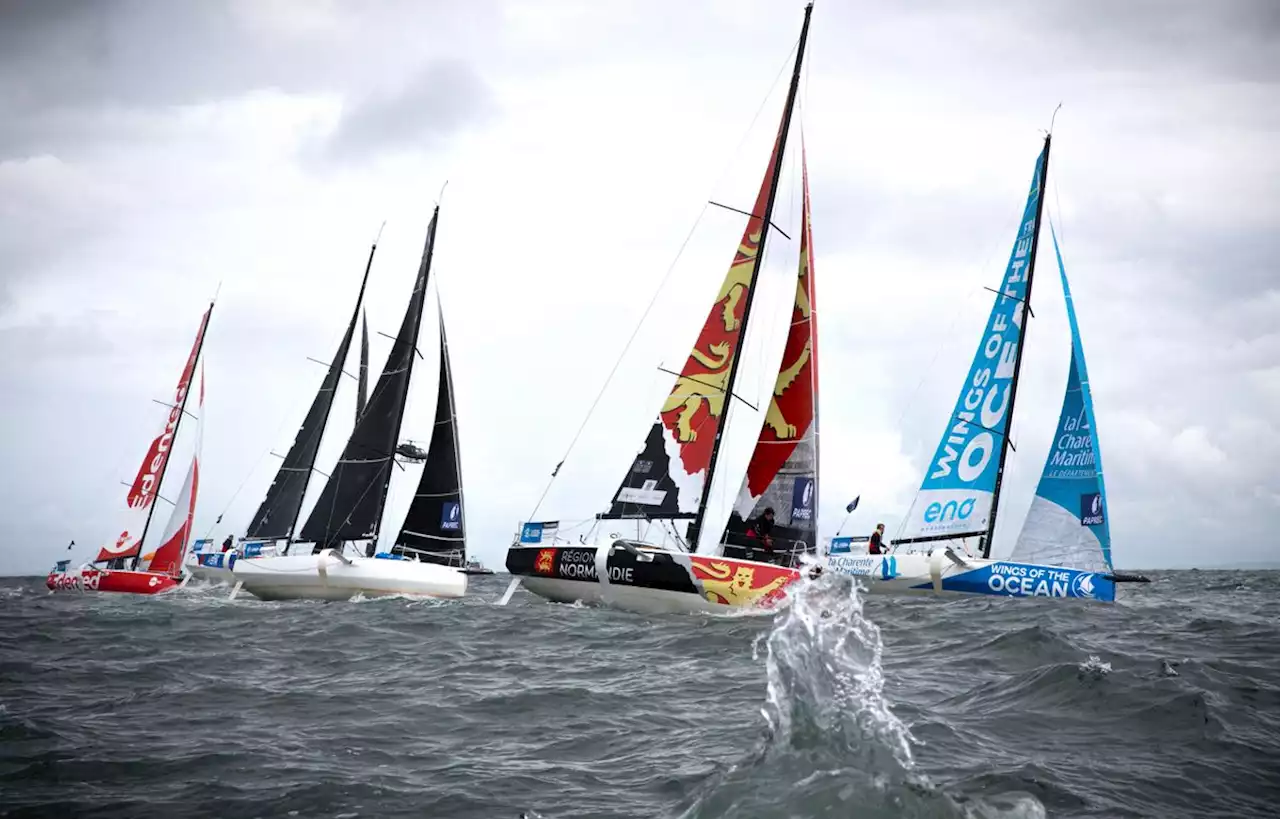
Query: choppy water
(1165, 705)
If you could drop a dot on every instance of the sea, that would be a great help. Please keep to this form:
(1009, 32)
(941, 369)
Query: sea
(1165, 704)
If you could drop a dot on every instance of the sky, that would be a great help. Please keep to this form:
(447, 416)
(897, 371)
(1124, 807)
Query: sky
(154, 155)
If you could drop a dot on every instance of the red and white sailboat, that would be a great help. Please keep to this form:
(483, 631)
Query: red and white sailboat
(161, 569)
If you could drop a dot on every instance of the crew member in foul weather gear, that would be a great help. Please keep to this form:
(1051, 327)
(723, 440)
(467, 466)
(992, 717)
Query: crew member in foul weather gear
(762, 528)
(228, 543)
(876, 545)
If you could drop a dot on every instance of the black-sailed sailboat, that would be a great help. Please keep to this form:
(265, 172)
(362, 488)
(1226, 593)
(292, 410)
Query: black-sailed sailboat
(752, 563)
(334, 554)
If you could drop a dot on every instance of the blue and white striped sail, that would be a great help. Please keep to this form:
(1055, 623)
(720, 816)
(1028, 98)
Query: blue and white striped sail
(1067, 523)
(958, 487)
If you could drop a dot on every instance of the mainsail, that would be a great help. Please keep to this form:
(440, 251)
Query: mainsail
(177, 534)
(961, 487)
(350, 506)
(278, 513)
(783, 472)
(144, 489)
(1067, 523)
(435, 526)
(670, 477)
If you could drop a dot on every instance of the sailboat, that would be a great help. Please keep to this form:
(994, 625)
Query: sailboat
(753, 561)
(162, 569)
(1064, 549)
(273, 524)
(429, 550)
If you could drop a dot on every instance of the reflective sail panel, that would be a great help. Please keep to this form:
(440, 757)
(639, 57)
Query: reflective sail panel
(435, 525)
(1067, 524)
(177, 533)
(351, 504)
(956, 495)
(783, 471)
(666, 479)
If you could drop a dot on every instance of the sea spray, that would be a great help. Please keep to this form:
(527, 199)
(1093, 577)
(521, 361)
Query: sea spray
(831, 745)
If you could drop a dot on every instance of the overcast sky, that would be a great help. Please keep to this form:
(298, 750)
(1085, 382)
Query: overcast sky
(150, 152)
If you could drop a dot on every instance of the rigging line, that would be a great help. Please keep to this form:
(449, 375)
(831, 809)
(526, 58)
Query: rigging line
(661, 285)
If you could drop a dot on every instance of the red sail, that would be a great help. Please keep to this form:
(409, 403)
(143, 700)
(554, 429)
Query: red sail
(177, 535)
(783, 473)
(795, 393)
(126, 545)
(693, 410)
(143, 491)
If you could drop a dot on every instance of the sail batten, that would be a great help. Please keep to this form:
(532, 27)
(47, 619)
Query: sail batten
(959, 492)
(1068, 524)
(277, 515)
(435, 526)
(351, 504)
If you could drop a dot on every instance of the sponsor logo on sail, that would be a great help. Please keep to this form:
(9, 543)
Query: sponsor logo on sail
(544, 563)
(1091, 509)
(949, 511)
(451, 516)
(802, 500)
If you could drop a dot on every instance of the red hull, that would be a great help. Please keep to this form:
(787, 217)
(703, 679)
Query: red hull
(124, 582)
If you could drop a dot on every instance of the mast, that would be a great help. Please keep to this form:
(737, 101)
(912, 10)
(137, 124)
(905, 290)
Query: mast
(766, 217)
(1022, 338)
(182, 411)
(413, 353)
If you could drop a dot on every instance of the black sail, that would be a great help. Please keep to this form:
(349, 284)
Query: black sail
(435, 527)
(351, 505)
(362, 388)
(278, 513)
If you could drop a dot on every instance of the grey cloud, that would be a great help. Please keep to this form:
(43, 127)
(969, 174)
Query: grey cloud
(436, 101)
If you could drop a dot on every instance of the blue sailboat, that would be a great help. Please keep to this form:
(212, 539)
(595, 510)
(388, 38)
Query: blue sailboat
(1064, 549)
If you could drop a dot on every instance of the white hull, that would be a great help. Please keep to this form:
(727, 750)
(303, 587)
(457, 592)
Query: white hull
(326, 576)
(949, 573)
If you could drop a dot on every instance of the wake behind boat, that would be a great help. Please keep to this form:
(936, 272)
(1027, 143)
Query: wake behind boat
(342, 531)
(753, 562)
(1064, 550)
(161, 570)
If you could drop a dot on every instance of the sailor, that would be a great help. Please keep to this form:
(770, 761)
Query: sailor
(228, 543)
(876, 545)
(762, 528)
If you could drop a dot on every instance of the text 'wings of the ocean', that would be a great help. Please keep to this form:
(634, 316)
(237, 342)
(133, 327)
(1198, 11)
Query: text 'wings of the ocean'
(1067, 523)
(666, 479)
(351, 504)
(956, 495)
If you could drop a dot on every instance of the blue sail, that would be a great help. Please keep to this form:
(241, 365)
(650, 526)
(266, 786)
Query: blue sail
(1067, 522)
(960, 482)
